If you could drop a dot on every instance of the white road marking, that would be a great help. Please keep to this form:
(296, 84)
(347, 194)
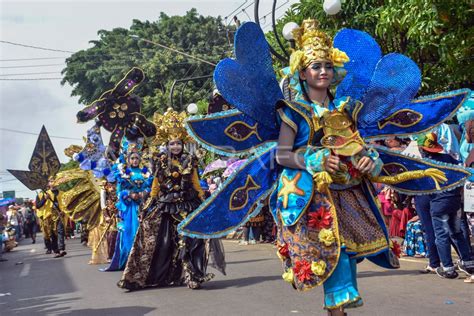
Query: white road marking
(25, 271)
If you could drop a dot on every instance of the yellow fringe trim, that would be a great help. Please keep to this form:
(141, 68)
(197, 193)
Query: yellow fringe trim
(322, 180)
(367, 248)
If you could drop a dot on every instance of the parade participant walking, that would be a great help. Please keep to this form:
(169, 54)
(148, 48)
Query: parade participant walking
(322, 196)
(108, 199)
(133, 185)
(30, 221)
(345, 212)
(53, 221)
(159, 256)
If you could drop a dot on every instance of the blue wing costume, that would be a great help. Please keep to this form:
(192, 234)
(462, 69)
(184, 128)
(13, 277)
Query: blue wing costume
(381, 89)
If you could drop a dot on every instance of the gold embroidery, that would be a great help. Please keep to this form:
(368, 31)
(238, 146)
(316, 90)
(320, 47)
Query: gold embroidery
(223, 148)
(387, 120)
(249, 185)
(431, 127)
(287, 120)
(435, 174)
(233, 133)
(308, 119)
(367, 248)
(447, 187)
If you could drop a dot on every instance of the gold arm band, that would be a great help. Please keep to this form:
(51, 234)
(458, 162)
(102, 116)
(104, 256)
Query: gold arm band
(435, 174)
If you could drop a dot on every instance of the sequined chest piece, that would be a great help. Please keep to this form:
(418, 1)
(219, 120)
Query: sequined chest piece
(339, 134)
(173, 174)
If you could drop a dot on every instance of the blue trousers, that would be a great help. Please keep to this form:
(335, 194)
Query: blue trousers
(422, 205)
(444, 209)
(1, 243)
(340, 289)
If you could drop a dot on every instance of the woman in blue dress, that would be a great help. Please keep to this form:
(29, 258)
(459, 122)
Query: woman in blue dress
(133, 185)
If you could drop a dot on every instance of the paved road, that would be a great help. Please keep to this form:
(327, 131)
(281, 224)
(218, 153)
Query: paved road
(42, 285)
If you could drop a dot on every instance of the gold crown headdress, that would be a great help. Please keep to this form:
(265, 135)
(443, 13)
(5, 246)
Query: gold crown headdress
(314, 45)
(133, 148)
(170, 125)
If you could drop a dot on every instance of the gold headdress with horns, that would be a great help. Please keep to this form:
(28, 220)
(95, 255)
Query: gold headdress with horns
(170, 125)
(314, 45)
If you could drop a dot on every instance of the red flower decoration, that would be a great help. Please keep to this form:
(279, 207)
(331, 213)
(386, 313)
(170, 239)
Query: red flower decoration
(397, 250)
(353, 172)
(284, 251)
(320, 219)
(302, 270)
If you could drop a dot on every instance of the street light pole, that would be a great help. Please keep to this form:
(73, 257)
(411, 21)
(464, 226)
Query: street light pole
(274, 53)
(275, 33)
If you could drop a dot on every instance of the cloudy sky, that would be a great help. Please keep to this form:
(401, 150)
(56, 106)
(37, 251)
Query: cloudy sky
(66, 25)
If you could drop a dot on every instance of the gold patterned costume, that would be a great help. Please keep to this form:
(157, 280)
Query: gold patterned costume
(52, 220)
(159, 256)
(81, 202)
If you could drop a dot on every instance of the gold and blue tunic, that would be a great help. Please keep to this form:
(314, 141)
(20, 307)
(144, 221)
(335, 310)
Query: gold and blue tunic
(323, 231)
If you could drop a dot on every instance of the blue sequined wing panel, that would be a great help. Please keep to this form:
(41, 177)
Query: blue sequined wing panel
(395, 163)
(415, 117)
(396, 80)
(237, 201)
(248, 82)
(364, 54)
(229, 133)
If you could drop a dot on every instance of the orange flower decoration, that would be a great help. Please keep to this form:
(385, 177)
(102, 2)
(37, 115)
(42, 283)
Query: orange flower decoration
(320, 219)
(302, 270)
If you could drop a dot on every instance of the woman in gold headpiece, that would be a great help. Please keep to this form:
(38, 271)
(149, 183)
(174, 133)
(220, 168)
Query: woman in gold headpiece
(321, 244)
(159, 256)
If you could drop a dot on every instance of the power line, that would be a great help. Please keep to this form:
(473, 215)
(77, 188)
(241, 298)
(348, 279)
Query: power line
(55, 72)
(243, 10)
(31, 66)
(24, 59)
(60, 78)
(137, 53)
(31, 73)
(265, 16)
(29, 79)
(240, 6)
(37, 47)
(36, 134)
(174, 50)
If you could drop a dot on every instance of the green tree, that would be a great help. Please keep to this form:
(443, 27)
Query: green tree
(92, 71)
(436, 34)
